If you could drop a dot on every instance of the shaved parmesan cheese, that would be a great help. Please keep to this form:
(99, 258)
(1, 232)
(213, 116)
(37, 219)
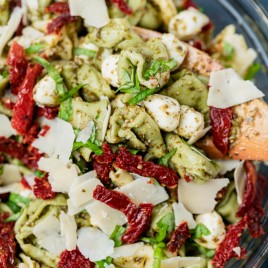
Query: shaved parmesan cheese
(109, 69)
(182, 214)
(83, 193)
(200, 198)
(47, 232)
(61, 176)
(240, 177)
(105, 217)
(127, 250)
(15, 187)
(143, 190)
(106, 122)
(32, 4)
(198, 135)
(30, 179)
(95, 13)
(181, 262)
(25, 12)
(58, 141)
(11, 27)
(228, 89)
(6, 130)
(85, 133)
(237, 250)
(72, 209)
(94, 244)
(29, 35)
(227, 165)
(11, 173)
(68, 229)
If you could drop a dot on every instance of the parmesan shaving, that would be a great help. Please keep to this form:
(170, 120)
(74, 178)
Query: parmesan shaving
(198, 135)
(106, 122)
(86, 132)
(6, 129)
(240, 181)
(11, 173)
(227, 165)
(127, 250)
(182, 214)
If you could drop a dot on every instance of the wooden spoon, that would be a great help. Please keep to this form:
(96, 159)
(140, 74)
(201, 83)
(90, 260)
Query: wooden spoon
(251, 140)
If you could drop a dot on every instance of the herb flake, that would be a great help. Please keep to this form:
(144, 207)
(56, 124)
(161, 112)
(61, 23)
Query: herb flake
(165, 159)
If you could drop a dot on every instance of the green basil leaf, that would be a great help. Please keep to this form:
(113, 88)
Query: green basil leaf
(19, 200)
(158, 254)
(143, 95)
(117, 235)
(39, 173)
(13, 206)
(209, 253)
(165, 159)
(199, 231)
(228, 50)
(13, 217)
(78, 51)
(71, 93)
(1, 169)
(169, 221)
(66, 110)
(35, 48)
(107, 261)
(5, 74)
(133, 151)
(93, 147)
(253, 69)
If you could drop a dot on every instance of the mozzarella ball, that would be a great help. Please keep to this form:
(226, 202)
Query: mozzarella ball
(188, 23)
(164, 110)
(191, 121)
(176, 49)
(44, 93)
(215, 225)
(109, 70)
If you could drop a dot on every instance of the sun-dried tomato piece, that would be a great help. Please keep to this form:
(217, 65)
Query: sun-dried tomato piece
(58, 8)
(24, 107)
(188, 3)
(123, 6)
(232, 239)
(74, 258)
(138, 217)
(134, 163)
(17, 63)
(7, 243)
(103, 164)
(57, 23)
(8, 103)
(32, 134)
(25, 183)
(42, 188)
(48, 112)
(221, 123)
(29, 156)
(178, 237)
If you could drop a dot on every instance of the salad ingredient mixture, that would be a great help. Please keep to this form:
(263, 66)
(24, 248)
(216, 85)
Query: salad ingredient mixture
(101, 121)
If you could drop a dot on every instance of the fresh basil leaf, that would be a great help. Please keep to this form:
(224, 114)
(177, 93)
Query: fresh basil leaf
(228, 50)
(93, 147)
(117, 235)
(160, 65)
(143, 95)
(35, 48)
(168, 220)
(39, 174)
(18, 199)
(13, 206)
(209, 253)
(133, 151)
(66, 110)
(5, 74)
(78, 51)
(13, 217)
(165, 159)
(199, 231)
(70, 93)
(253, 69)
(158, 254)
(103, 263)
(1, 169)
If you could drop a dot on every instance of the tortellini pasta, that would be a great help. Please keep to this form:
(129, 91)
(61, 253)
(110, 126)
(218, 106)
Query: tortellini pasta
(4, 12)
(133, 126)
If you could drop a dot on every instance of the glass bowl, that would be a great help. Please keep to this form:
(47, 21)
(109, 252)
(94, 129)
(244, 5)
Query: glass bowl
(251, 20)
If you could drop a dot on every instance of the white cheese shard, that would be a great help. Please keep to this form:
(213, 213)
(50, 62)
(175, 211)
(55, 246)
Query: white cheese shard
(11, 174)
(6, 130)
(182, 214)
(143, 190)
(200, 198)
(14, 187)
(106, 122)
(181, 262)
(48, 234)
(227, 165)
(105, 217)
(68, 229)
(61, 176)
(11, 27)
(30, 179)
(228, 89)
(198, 135)
(58, 141)
(94, 244)
(95, 13)
(72, 209)
(237, 250)
(32, 4)
(127, 250)
(109, 70)
(86, 132)
(240, 178)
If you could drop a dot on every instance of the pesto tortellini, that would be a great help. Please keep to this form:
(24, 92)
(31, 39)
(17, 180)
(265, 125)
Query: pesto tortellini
(4, 12)
(133, 126)
(189, 161)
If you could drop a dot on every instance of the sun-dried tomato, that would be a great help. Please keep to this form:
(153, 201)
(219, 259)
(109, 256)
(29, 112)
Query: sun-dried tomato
(123, 6)
(25, 183)
(188, 3)
(187, 177)
(74, 258)
(42, 188)
(138, 217)
(28, 156)
(178, 237)
(57, 23)
(103, 164)
(134, 163)
(58, 8)
(48, 112)
(232, 239)
(221, 123)
(7, 243)
(44, 130)
(8, 103)
(32, 134)
(17, 63)
(24, 107)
